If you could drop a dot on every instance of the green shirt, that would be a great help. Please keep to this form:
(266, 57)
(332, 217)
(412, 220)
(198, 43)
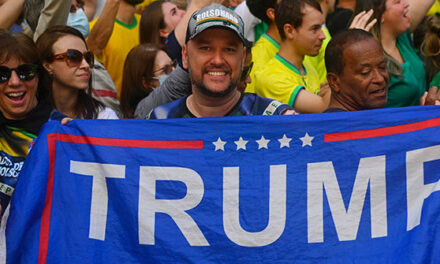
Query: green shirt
(435, 81)
(406, 91)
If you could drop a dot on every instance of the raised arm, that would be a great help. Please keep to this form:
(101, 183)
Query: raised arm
(10, 10)
(55, 12)
(180, 30)
(90, 8)
(103, 28)
(307, 102)
(417, 10)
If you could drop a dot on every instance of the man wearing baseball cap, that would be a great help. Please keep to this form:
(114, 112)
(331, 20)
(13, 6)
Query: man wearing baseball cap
(214, 56)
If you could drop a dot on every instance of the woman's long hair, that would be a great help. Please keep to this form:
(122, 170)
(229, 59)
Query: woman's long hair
(138, 69)
(86, 107)
(152, 21)
(379, 7)
(431, 44)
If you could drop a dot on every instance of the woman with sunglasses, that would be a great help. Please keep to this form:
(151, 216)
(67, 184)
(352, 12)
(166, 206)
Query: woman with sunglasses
(145, 68)
(68, 63)
(23, 110)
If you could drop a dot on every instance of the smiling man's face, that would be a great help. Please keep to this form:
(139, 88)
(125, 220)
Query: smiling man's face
(214, 59)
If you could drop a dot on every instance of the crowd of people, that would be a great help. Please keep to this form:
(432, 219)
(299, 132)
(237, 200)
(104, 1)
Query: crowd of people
(171, 59)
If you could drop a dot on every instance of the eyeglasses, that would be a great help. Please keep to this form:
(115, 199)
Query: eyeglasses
(73, 57)
(167, 69)
(246, 71)
(25, 72)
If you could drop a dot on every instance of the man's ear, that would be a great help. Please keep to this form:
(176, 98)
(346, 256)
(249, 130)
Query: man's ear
(289, 31)
(270, 13)
(184, 57)
(333, 82)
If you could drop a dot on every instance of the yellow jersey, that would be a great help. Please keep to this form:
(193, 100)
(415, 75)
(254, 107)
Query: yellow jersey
(145, 3)
(263, 50)
(435, 8)
(282, 81)
(124, 37)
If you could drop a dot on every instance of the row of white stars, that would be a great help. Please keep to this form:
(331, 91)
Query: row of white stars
(263, 142)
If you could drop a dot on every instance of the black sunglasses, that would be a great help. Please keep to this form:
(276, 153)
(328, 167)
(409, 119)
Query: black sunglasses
(73, 57)
(246, 71)
(25, 72)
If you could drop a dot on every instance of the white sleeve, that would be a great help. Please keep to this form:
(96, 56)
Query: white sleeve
(250, 21)
(107, 113)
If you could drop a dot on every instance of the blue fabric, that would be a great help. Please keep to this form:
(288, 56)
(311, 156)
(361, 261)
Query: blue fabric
(16, 28)
(174, 50)
(176, 160)
(56, 115)
(249, 104)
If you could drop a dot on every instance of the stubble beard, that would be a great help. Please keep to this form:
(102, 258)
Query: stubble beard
(200, 86)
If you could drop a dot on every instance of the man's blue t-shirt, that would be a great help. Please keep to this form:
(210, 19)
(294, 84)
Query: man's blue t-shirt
(249, 104)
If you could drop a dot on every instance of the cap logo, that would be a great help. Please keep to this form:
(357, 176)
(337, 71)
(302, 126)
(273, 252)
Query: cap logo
(216, 15)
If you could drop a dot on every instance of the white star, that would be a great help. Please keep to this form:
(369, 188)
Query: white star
(262, 143)
(219, 144)
(306, 140)
(284, 141)
(241, 143)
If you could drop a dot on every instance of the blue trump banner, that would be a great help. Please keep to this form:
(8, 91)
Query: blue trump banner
(355, 187)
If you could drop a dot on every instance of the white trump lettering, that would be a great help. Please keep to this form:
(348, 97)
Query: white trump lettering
(277, 208)
(98, 209)
(322, 176)
(416, 190)
(149, 205)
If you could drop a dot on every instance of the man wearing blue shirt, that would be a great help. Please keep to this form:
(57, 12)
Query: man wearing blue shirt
(214, 56)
